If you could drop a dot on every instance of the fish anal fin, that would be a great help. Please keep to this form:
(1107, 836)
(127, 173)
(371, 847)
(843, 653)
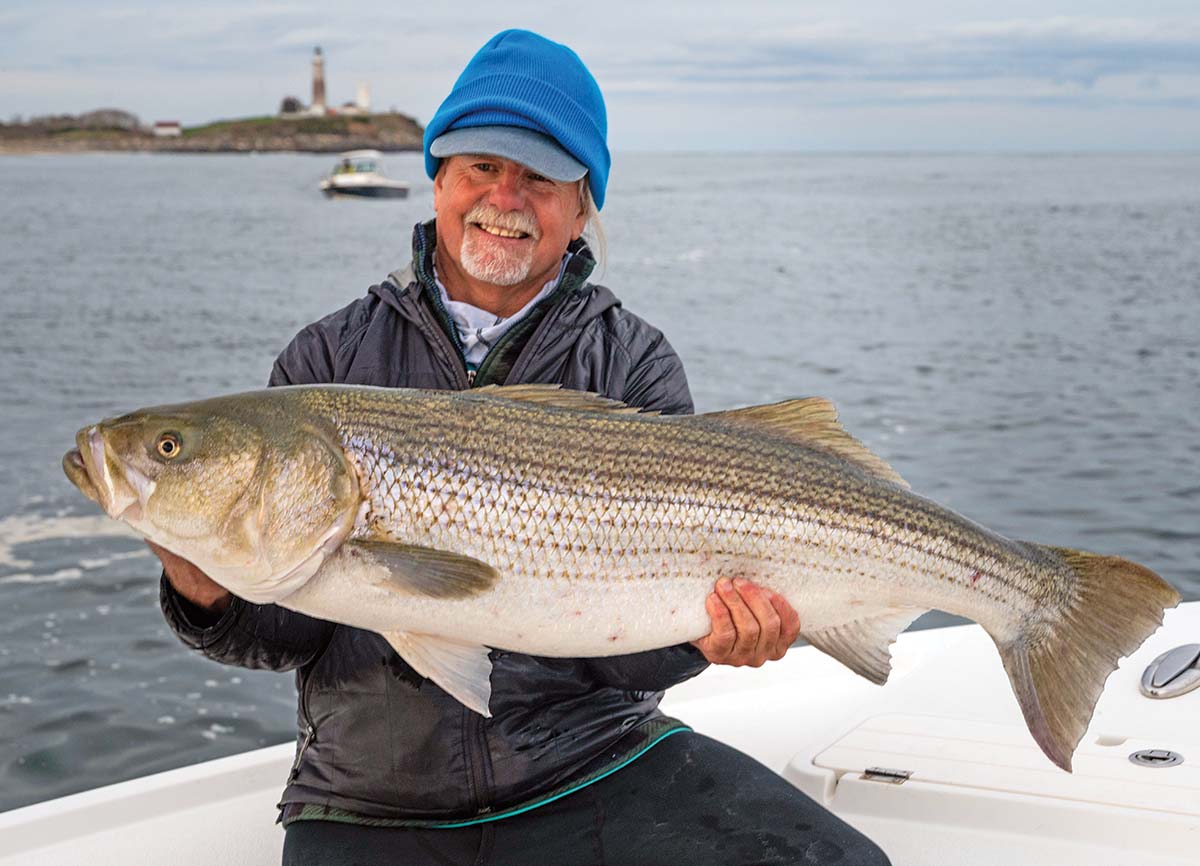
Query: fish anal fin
(813, 423)
(862, 644)
(462, 670)
(1060, 658)
(557, 397)
(425, 571)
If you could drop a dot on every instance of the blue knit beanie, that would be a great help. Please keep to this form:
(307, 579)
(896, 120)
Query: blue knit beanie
(520, 79)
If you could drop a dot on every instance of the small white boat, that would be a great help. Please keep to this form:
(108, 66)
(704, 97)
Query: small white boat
(358, 173)
(937, 767)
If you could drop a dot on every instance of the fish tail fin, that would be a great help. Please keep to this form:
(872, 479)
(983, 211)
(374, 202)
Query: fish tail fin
(1058, 664)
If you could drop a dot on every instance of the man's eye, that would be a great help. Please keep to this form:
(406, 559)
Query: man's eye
(484, 166)
(537, 178)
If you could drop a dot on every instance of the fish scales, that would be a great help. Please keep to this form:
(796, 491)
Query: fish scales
(675, 491)
(553, 523)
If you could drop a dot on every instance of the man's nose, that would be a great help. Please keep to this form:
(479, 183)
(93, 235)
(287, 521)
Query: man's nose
(508, 192)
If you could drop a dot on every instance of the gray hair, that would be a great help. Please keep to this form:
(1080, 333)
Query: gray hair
(593, 229)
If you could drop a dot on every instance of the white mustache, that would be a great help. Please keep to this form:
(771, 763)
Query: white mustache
(513, 221)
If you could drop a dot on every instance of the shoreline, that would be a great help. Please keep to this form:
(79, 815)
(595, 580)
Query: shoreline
(390, 133)
(40, 148)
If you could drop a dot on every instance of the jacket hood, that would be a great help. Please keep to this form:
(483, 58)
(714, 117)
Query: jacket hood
(581, 300)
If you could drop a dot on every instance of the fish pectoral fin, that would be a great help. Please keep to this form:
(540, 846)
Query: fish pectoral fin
(462, 670)
(425, 571)
(862, 645)
(813, 423)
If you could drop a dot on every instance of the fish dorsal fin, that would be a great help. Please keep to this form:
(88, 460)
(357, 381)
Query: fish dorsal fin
(811, 422)
(558, 397)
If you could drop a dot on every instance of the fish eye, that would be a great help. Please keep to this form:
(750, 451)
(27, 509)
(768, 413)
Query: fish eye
(168, 446)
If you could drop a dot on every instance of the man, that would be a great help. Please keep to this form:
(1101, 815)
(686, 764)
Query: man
(576, 765)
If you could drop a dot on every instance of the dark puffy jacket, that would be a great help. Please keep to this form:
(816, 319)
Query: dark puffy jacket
(376, 740)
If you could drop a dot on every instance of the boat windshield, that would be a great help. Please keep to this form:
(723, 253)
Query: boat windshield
(355, 166)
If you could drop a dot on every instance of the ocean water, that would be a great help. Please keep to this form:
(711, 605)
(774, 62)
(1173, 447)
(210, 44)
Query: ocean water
(1018, 335)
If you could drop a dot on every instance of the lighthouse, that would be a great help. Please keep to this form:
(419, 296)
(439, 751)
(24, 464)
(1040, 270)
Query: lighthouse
(318, 84)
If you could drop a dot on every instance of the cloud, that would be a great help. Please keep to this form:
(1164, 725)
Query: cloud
(678, 69)
(1074, 51)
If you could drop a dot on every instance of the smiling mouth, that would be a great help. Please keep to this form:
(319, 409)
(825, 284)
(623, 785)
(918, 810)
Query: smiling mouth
(498, 232)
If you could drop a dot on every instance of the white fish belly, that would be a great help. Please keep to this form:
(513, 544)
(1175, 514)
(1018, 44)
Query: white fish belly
(624, 611)
(564, 617)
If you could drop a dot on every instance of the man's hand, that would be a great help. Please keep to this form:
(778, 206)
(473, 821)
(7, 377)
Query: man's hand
(750, 625)
(192, 583)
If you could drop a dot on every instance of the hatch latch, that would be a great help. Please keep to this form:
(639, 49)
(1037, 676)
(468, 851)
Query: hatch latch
(886, 774)
(1156, 758)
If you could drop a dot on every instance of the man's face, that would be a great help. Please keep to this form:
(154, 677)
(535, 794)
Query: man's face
(501, 222)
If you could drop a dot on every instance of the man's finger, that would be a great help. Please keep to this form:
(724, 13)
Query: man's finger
(718, 643)
(759, 603)
(789, 624)
(724, 632)
(744, 622)
(789, 618)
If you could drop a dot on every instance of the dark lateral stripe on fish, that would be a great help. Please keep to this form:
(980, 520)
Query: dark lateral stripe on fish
(910, 535)
(985, 565)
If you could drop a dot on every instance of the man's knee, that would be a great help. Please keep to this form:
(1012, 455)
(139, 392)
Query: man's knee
(866, 853)
(844, 846)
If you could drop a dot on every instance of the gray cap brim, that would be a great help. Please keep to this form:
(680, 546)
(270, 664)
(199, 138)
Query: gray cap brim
(540, 152)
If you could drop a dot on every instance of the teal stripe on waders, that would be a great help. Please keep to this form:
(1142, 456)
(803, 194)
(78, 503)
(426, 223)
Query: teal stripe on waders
(501, 815)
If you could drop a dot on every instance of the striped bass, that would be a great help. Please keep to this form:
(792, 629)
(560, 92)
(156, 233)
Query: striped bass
(557, 523)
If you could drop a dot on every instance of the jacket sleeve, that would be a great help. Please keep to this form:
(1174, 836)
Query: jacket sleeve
(251, 635)
(656, 381)
(650, 671)
(259, 636)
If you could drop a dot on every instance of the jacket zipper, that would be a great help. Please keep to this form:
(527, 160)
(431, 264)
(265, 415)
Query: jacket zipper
(478, 763)
(310, 729)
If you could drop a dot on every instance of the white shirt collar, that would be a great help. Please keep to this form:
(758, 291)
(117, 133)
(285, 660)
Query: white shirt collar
(479, 329)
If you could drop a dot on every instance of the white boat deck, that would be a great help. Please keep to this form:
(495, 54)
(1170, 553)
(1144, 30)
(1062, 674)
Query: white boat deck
(981, 792)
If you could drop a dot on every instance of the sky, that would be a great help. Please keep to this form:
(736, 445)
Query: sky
(744, 75)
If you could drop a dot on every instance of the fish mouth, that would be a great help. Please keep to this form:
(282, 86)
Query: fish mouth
(89, 468)
(77, 473)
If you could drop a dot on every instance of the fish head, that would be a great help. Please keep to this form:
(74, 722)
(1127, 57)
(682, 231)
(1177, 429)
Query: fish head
(254, 495)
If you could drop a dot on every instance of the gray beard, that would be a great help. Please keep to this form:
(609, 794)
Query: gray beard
(490, 265)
